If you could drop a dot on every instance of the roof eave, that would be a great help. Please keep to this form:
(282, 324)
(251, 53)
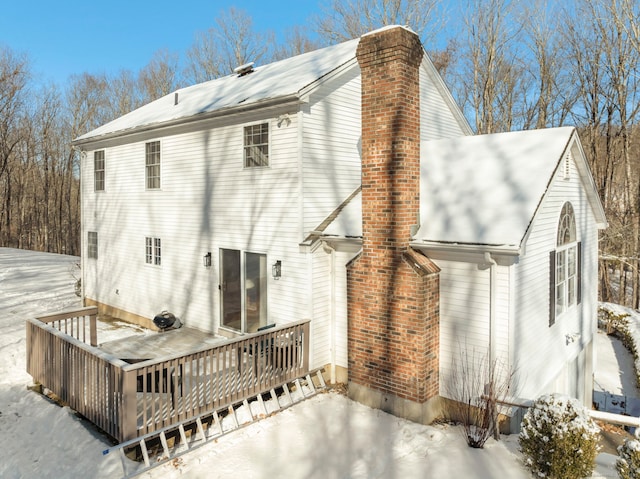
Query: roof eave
(452, 247)
(293, 99)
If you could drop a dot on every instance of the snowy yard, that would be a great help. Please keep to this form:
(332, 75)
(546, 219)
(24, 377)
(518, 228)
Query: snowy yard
(327, 436)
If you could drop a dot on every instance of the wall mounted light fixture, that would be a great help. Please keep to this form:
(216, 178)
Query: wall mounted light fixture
(206, 260)
(276, 270)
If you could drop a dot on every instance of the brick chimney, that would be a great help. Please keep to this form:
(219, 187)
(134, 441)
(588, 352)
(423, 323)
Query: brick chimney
(393, 290)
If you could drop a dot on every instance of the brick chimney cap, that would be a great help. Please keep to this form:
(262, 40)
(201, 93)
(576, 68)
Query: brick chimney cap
(387, 27)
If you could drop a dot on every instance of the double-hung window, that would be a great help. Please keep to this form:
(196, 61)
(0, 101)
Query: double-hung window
(153, 251)
(565, 262)
(92, 244)
(98, 170)
(256, 145)
(152, 165)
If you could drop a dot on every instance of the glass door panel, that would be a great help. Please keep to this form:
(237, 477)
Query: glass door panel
(255, 291)
(230, 289)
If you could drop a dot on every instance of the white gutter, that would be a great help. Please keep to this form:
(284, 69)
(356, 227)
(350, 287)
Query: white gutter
(185, 120)
(504, 250)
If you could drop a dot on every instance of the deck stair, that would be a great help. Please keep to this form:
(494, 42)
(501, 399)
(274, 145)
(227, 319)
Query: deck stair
(159, 447)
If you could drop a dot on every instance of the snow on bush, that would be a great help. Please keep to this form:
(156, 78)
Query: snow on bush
(558, 439)
(617, 321)
(628, 464)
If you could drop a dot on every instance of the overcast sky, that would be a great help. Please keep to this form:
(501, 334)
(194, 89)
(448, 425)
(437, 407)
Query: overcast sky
(68, 37)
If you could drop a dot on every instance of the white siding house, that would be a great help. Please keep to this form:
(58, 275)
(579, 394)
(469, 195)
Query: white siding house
(236, 203)
(491, 210)
(208, 201)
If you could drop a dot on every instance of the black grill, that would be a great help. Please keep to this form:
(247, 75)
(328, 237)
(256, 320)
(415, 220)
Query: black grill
(164, 320)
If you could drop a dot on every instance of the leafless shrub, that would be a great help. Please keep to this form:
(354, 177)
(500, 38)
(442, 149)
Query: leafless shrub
(478, 385)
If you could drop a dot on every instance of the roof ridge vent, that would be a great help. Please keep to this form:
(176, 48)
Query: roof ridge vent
(245, 69)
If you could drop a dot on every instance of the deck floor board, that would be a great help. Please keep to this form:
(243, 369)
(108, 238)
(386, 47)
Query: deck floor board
(154, 345)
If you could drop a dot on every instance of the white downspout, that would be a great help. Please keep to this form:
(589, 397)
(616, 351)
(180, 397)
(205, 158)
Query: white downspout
(83, 156)
(332, 308)
(492, 306)
(492, 325)
(333, 316)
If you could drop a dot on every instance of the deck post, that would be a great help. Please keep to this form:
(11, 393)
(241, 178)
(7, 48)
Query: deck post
(305, 345)
(128, 414)
(93, 329)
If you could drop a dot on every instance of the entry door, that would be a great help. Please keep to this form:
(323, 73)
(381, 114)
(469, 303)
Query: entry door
(243, 285)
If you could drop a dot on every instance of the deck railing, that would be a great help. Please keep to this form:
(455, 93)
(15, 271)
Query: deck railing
(128, 400)
(77, 323)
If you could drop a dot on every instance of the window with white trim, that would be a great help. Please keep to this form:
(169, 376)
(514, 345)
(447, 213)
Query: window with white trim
(98, 170)
(152, 165)
(92, 244)
(153, 251)
(256, 145)
(565, 262)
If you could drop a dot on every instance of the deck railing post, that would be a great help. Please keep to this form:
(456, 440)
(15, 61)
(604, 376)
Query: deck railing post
(305, 346)
(93, 328)
(128, 414)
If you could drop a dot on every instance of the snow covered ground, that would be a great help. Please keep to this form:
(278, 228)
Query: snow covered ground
(327, 436)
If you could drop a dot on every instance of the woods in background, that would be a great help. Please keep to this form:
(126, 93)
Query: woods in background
(510, 66)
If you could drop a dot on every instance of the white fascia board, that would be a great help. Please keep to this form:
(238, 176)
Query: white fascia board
(473, 253)
(164, 128)
(304, 92)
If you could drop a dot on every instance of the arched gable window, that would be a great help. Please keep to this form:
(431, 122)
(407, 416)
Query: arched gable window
(565, 263)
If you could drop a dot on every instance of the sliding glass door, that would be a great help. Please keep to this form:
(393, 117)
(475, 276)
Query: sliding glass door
(243, 290)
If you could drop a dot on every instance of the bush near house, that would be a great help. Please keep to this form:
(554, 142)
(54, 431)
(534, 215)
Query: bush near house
(617, 324)
(558, 439)
(628, 464)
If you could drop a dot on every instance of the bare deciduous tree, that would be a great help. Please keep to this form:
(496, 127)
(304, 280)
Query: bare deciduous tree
(552, 95)
(346, 19)
(232, 43)
(14, 75)
(160, 76)
(296, 42)
(492, 74)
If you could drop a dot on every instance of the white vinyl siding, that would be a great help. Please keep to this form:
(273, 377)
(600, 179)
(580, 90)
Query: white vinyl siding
(538, 348)
(332, 138)
(439, 118)
(331, 146)
(322, 303)
(465, 315)
(330, 307)
(223, 206)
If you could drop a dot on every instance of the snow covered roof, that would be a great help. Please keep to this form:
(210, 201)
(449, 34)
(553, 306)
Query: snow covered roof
(283, 79)
(477, 190)
(485, 189)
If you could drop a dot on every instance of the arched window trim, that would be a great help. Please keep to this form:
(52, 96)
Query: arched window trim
(565, 266)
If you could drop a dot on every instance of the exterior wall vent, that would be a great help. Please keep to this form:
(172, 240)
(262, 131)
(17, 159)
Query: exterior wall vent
(243, 70)
(567, 166)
